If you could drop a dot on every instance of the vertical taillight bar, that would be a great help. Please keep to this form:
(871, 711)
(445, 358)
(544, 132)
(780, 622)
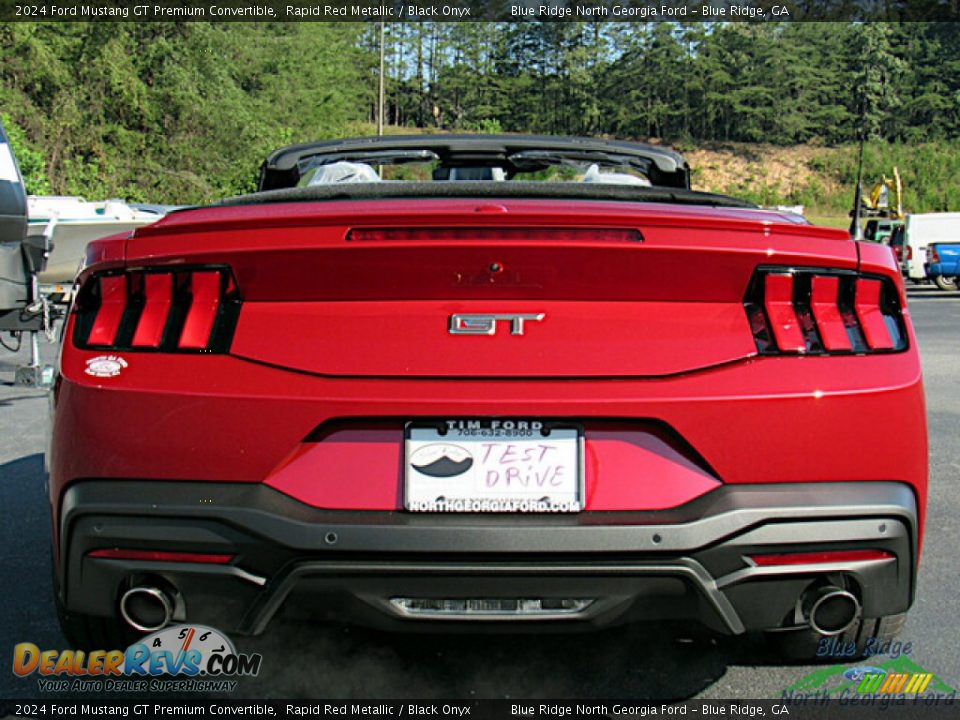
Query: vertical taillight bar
(113, 301)
(778, 302)
(205, 294)
(158, 294)
(824, 302)
(870, 314)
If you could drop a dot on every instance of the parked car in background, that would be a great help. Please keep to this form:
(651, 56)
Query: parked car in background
(922, 230)
(943, 266)
(880, 230)
(442, 404)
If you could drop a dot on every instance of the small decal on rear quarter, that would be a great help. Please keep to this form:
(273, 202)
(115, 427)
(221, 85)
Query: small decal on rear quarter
(105, 366)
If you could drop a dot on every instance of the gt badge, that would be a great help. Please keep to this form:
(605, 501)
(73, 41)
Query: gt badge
(486, 323)
(105, 366)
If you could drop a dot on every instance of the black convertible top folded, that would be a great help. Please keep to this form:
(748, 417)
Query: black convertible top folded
(487, 190)
(514, 154)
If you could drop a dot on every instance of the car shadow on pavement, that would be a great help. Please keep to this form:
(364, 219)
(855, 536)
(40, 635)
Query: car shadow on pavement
(660, 661)
(27, 613)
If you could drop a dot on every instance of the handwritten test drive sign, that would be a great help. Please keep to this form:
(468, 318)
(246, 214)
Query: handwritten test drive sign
(492, 466)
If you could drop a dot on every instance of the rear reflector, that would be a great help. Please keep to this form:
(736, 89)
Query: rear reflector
(820, 558)
(186, 310)
(495, 234)
(823, 312)
(161, 556)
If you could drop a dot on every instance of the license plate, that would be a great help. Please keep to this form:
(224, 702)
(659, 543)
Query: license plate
(493, 466)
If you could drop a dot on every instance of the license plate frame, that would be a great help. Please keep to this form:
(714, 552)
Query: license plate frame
(531, 493)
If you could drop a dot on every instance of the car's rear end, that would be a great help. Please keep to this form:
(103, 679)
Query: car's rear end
(525, 413)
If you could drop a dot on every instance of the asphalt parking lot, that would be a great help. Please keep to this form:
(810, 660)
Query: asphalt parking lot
(302, 660)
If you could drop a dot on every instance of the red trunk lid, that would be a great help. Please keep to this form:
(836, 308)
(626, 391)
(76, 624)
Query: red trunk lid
(370, 288)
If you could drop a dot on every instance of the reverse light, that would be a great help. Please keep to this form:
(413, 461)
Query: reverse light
(812, 311)
(822, 557)
(161, 556)
(182, 310)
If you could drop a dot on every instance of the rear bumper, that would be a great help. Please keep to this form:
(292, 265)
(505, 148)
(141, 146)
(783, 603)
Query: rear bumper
(686, 562)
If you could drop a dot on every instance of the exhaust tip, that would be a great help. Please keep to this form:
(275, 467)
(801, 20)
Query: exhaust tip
(833, 610)
(146, 609)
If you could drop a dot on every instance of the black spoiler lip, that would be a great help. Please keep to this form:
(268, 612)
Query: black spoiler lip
(487, 190)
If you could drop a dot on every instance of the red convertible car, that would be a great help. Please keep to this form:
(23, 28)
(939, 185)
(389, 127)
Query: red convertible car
(511, 382)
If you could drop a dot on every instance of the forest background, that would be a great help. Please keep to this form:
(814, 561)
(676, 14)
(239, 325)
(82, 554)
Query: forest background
(185, 113)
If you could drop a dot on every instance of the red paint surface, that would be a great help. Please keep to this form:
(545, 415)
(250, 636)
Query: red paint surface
(623, 469)
(316, 303)
(574, 339)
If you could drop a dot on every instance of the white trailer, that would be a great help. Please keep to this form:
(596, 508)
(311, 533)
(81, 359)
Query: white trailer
(920, 231)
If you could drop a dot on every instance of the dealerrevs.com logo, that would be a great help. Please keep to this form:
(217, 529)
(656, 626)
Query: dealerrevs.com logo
(181, 658)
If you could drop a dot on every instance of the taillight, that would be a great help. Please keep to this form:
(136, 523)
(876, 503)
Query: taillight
(909, 253)
(182, 310)
(823, 312)
(932, 255)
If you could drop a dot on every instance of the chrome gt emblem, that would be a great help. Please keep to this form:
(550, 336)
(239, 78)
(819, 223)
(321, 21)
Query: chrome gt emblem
(486, 323)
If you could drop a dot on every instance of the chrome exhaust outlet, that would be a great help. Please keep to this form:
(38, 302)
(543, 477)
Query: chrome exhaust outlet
(146, 609)
(831, 610)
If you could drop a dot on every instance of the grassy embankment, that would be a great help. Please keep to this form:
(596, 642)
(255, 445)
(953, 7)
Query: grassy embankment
(823, 179)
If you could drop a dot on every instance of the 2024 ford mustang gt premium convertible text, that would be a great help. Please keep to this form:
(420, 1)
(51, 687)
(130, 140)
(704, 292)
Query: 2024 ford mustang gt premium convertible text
(436, 395)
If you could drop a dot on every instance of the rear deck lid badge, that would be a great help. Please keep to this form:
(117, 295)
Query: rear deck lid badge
(105, 366)
(486, 323)
(441, 460)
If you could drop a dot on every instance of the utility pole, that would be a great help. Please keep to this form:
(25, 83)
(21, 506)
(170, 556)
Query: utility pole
(856, 232)
(380, 102)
